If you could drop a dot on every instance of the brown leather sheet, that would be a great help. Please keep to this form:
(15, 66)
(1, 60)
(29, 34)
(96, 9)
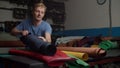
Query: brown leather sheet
(16, 43)
(104, 61)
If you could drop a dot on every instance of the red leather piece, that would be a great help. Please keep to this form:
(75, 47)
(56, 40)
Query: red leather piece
(57, 60)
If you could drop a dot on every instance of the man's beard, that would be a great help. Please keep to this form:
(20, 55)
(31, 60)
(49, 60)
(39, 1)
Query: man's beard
(38, 19)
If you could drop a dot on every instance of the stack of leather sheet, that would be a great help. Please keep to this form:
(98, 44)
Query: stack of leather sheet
(7, 40)
(56, 60)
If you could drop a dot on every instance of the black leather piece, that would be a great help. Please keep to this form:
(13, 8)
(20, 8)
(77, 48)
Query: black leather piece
(48, 50)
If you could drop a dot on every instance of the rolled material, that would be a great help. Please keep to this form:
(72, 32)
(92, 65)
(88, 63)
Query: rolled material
(92, 52)
(82, 56)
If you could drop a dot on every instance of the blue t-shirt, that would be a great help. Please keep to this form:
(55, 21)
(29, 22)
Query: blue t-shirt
(39, 30)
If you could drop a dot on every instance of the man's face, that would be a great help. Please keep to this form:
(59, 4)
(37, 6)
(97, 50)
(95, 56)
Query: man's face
(38, 13)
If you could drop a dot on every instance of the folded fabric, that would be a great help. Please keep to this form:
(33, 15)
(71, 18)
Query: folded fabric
(87, 41)
(92, 52)
(78, 63)
(83, 42)
(82, 56)
(57, 60)
(107, 44)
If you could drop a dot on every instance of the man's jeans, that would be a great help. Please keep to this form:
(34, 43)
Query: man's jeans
(38, 45)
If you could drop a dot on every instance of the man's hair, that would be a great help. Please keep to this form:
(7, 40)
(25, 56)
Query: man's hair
(39, 5)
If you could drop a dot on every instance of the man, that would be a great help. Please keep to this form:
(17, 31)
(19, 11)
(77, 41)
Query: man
(34, 27)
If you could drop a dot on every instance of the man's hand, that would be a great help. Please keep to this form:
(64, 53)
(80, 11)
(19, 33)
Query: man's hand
(40, 37)
(25, 33)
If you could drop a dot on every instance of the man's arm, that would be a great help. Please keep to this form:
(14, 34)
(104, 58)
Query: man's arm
(16, 32)
(48, 37)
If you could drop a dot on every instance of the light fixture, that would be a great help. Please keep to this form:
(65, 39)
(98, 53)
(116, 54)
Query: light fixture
(101, 2)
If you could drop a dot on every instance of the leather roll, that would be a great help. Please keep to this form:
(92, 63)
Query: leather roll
(82, 56)
(92, 52)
